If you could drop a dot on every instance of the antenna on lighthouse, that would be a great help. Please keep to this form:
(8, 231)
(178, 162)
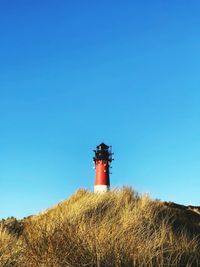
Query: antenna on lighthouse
(102, 161)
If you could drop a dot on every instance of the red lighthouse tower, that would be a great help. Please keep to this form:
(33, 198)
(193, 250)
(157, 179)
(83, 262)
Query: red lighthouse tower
(102, 161)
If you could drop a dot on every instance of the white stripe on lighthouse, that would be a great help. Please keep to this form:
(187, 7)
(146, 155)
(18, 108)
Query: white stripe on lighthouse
(101, 188)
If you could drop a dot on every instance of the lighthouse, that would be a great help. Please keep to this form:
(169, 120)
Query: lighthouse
(102, 161)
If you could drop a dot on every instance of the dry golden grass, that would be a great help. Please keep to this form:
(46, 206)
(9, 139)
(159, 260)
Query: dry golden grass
(9, 249)
(118, 228)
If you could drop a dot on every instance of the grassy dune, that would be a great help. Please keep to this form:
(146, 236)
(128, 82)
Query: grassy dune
(118, 228)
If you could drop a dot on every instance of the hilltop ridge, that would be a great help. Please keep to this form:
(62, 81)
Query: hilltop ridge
(117, 228)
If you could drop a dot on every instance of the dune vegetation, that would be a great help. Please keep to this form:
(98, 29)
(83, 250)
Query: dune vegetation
(118, 228)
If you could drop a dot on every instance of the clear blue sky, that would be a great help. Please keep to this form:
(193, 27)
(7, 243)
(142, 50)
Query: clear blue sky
(76, 73)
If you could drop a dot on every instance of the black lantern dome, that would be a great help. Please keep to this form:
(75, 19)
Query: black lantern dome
(103, 152)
